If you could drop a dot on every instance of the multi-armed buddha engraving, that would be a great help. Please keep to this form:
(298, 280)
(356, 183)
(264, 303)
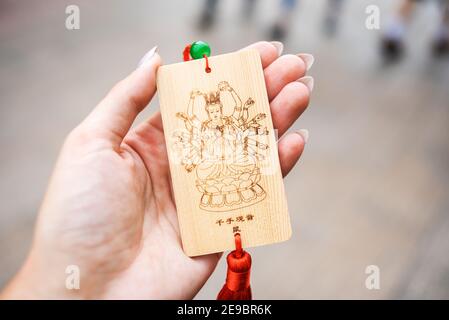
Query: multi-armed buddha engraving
(224, 150)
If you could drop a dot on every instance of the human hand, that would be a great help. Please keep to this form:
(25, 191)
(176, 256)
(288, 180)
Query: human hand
(250, 102)
(224, 86)
(109, 206)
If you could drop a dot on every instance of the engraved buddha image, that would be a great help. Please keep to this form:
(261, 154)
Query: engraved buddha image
(223, 150)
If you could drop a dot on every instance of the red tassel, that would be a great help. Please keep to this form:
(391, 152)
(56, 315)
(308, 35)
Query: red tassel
(237, 285)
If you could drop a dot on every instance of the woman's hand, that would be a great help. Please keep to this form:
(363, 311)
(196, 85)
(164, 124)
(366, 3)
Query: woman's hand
(109, 206)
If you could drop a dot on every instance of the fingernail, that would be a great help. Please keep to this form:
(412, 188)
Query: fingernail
(148, 56)
(308, 59)
(304, 133)
(308, 81)
(279, 46)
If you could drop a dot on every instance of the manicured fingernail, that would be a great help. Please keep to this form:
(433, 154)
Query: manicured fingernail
(308, 81)
(304, 133)
(279, 46)
(148, 56)
(308, 59)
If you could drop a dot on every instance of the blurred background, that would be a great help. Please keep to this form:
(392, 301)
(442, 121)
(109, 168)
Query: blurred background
(372, 185)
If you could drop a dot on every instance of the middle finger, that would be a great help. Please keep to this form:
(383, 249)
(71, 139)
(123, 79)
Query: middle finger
(283, 70)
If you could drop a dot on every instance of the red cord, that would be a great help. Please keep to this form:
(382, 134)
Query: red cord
(208, 69)
(238, 245)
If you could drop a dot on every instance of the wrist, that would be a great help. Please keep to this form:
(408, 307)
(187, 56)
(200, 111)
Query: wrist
(36, 282)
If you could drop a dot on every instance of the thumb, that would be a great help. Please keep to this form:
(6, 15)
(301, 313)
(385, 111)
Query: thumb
(114, 115)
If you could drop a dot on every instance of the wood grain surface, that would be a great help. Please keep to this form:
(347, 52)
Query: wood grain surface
(225, 170)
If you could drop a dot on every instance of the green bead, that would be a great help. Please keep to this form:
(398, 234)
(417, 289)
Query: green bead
(198, 49)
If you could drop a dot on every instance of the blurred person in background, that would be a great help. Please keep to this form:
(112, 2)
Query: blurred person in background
(209, 12)
(393, 39)
(284, 18)
(332, 16)
(277, 32)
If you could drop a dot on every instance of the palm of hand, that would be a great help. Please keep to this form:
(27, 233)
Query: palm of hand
(121, 227)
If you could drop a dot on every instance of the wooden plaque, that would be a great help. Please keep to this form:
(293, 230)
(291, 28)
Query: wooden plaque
(222, 151)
